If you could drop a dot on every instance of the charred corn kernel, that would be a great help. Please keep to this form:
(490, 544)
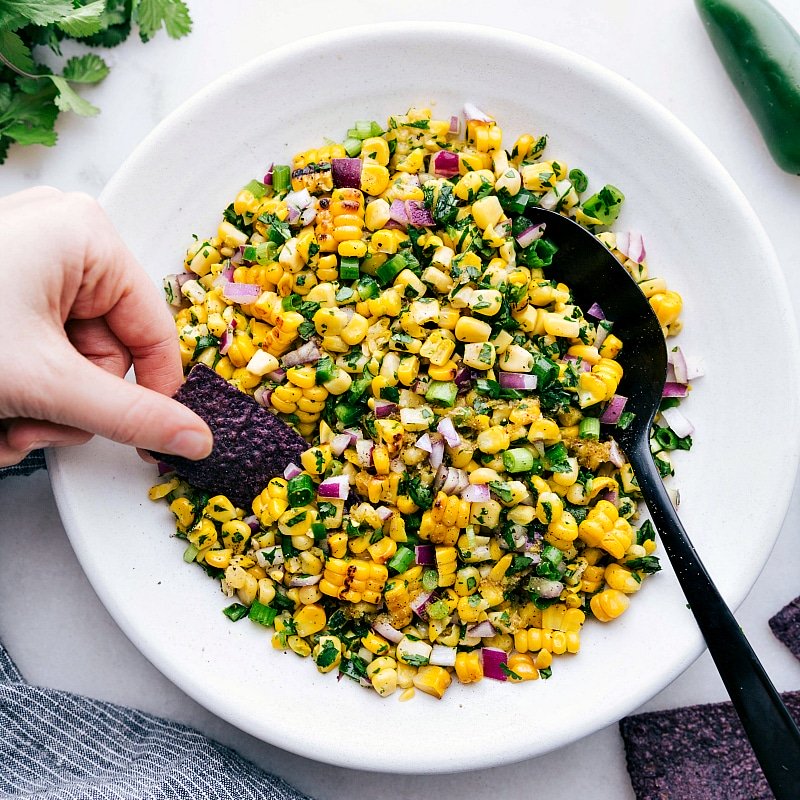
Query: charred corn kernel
(604, 528)
(553, 641)
(549, 508)
(408, 370)
(374, 178)
(432, 680)
(337, 542)
(487, 211)
(472, 608)
(355, 330)
(486, 513)
(493, 440)
(235, 534)
(622, 579)
(610, 347)
(327, 653)
(468, 667)
(609, 604)
(220, 559)
(353, 580)
(667, 305)
(183, 510)
(479, 355)
(315, 460)
(204, 534)
(382, 550)
(309, 620)
(522, 667)
(219, 508)
(466, 582)
(380, 459)
(376, 644)
(161, 490)
(302, 377)
(469, 329)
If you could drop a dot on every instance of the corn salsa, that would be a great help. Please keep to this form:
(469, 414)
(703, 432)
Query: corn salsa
(462, 507)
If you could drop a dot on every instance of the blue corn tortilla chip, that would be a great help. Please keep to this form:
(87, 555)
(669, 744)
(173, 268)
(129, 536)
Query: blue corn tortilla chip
(786, 626)
(695, 753)
(251, 445)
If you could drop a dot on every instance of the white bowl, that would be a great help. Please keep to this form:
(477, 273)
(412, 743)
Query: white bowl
(701, 235)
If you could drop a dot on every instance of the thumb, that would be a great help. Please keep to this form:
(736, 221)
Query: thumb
(99, 402)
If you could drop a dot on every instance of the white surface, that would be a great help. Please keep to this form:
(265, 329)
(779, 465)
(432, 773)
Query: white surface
(50, 619)
(157, 206)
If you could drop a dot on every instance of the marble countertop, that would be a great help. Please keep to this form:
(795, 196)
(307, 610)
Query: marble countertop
(50, 619)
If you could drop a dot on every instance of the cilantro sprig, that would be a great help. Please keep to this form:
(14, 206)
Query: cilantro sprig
(31, 95)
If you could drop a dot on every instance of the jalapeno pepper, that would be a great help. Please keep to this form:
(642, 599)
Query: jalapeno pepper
(761, 53)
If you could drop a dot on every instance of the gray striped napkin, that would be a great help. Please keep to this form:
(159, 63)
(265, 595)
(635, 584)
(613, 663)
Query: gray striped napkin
(59, 746)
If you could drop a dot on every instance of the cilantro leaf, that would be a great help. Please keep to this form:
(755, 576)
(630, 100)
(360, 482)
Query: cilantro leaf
(89, 68)
(68, 99)
(173, 15)
(84, 20)
(15, 51)
(39, 12)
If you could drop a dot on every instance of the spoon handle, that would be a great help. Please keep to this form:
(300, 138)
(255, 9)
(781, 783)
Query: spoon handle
(769, 727)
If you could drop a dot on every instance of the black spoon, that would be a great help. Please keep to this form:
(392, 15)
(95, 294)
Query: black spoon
(595, 275)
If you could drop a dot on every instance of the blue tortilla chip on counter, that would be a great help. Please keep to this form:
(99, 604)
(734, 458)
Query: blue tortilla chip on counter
(695, 753)
(251, 444)
(786, 626)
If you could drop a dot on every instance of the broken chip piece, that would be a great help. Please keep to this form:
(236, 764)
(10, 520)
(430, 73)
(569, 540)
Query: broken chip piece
(786, 626)
(251, 445)
(694, 752)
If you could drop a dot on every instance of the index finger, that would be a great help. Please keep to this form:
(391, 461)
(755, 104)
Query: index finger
(115, 286)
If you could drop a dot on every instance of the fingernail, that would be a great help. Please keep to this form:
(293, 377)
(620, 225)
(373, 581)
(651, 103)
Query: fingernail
(190, 444)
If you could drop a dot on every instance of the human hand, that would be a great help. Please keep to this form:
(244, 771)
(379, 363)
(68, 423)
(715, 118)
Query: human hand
(79, 310)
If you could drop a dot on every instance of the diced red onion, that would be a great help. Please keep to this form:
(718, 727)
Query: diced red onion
(494, 660)
(445, 164)
(437, 453)
(450, 480)
(268, 176)
(577, 361)
(340, 443)
(476, 493)
(226, 340)
(610, 496)
(364, 449)
(614, 409)
(677, 361)
(388, 631)
(185, 277)
(300, 200)
(695, 367)
(677, 422)
(418, 215)
(397, 466)
(384, 512)
(448, 430)
(424, 443)
(443, 656)
(615, 455)
(398, 213)
(292, 215)
(277, 375)
(631, 245)
(545, 587)
(471, 112)
(517, 380)
(227, 272)
(601, 331)
(269, 557)
(346, 172)
(595, 311)
(420, 603)
(425, 554)
(455, 125)
(308, 215)
(244, 293)
(262, 395)
(464, 378)
(531, 234)
(336, 487)
(675, 390)
(236, 258)
(383, 408)
(481, 630)
(304, 580)
(307, 353)
(291, 471)
(253, 522)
